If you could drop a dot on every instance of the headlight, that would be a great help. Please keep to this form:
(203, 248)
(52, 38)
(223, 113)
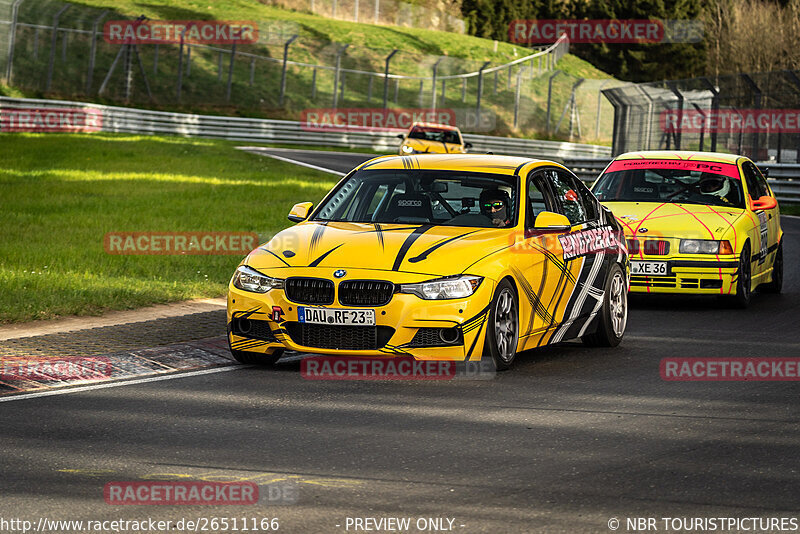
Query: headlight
(444, 288)
(705, 246)
(406, 149)
(251, 280)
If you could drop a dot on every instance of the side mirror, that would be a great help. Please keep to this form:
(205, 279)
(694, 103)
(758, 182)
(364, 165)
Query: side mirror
(548, 221)
(401, 136)
(300, 211)
(467, 145)
(764, 203)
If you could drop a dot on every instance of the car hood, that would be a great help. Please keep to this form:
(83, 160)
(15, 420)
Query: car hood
(434, 250)
(674, 219)
(434, 147)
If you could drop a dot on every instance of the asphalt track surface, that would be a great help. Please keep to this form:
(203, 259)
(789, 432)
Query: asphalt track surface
(568, 439)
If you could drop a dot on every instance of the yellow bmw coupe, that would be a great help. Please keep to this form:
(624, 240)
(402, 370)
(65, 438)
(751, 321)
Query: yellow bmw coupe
(696, 222)
(430, 138)
(439, 258)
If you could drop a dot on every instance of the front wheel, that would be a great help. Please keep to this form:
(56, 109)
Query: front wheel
(502, 330)
(776, 284)
(614, 313)
(743, 280)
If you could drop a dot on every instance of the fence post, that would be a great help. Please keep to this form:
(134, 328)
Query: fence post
(338, 71)
(314, 84)
(230, 72)
(599, 102)
(333, 16)
(252, 71)
(444, 97)
(93, 51)
(64, 39)
(796, 81)
(386, 76)
(180, 64)
(155, 60)
(12, 39)
(369, 90)
(674, 88)
(463, 90)
(549, 98)
(355, 10)
(35, 44)
(480, 91)
(377, 9)
(756, 90)
(433, 85)
(715, 106)
(219, 66)
(396, 90)
(283, 70)
(188, 59)
(516, 95)
(53, 44)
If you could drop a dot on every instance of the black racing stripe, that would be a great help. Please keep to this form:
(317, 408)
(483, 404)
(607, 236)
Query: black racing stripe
(284, 261)
(316, 262)
(401, 254)
(516, 171)
(475, 320)
(246, 314)
(532, 297)
(425, 254)
(379, 231)
(388, 229)
(474, 342)
(316, 236)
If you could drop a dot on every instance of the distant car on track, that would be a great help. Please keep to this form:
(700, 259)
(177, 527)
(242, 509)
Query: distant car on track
(436, 257)
(430, 138)
(696, 222)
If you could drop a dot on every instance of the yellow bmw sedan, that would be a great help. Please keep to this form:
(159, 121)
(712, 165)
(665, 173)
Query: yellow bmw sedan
(442, 257)
(696, 222)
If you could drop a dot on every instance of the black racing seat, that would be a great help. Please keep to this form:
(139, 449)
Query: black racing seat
(409, 206)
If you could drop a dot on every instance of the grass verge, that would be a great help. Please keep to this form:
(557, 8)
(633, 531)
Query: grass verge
(62, 193)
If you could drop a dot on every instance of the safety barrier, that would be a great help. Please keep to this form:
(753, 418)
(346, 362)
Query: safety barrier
(148, 122)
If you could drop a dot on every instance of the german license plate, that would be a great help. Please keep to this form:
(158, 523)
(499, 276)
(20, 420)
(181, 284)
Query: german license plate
(657, 268)
(335, 316)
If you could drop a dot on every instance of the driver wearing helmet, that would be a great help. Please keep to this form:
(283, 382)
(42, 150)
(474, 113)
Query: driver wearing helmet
(494, 204)
(714, 184)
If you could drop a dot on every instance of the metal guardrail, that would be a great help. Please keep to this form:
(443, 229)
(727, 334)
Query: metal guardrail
(783, 178)
(147, 122)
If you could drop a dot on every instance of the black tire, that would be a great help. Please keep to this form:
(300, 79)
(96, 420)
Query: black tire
(257, 358)
(744, 280)
(614, 314)
(776, 284)
(502, 328)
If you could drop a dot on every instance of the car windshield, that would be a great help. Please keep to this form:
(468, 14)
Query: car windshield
(669, 185)
(440, 135)
(420, 197)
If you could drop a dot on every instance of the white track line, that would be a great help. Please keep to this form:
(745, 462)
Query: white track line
(302, 164)
(115, 384)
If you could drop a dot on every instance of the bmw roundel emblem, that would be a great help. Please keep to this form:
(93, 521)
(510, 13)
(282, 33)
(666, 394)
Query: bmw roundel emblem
(339, 273)
(642, 230)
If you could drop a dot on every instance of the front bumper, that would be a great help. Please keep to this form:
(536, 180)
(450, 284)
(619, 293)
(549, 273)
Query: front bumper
(703, 275)
(398, 323)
